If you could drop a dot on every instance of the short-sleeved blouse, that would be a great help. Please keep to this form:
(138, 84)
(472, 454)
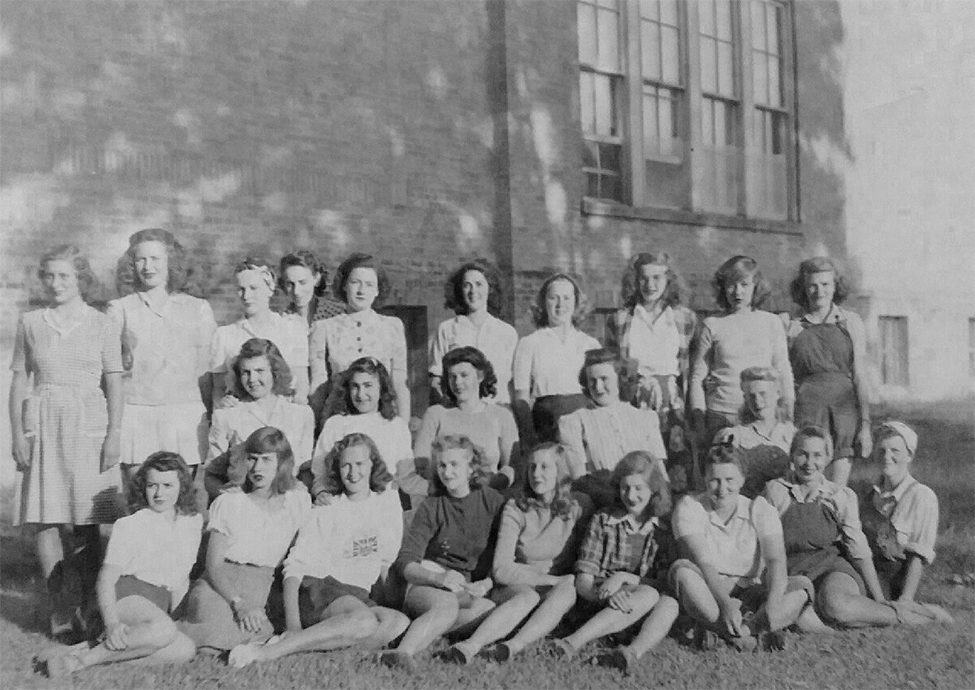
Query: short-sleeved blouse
(156, 549)
(337, 342)
(74, 358)
(495, 338)
(232, 426)
(545, 364)
(288, 331)
(912, 510)
(257, 536)
(170, 346)
(391, 436)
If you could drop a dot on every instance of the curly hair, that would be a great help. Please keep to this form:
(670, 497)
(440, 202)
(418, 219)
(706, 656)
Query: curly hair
(818, 264)
(373, 367)
(355, 261)
(280, 371)
(479, 463)
(265, 440)
(453, 289)
(653, 473)
(562, 503)
(254, 263)
(379, 476)
(604, 355)
(745, 414)
(734, 269)
(812, 431)
(305, 259)
(726, 453)
(476, 358)
(179, 275)
(630, 293)
(87, 283)
(164, 461)
(539, 308)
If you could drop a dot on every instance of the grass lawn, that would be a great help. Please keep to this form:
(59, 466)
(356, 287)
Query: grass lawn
(905, 657)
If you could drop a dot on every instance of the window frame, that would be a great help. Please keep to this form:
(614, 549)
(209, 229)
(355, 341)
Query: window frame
(633, 177)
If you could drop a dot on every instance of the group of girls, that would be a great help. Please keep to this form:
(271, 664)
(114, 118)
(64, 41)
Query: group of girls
(537, 484)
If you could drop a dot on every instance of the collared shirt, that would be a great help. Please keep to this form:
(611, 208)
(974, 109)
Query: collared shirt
(597, 438)
(655, 343)
(728, 345)
(751, 436)
(912, 509)
(495, 338)
(155, 549)
(608, 547)
(338, 341)
(231, 426)
(391, 436)
(287, 331)
(259, 535)
(545, 364)
(349, 540)
(619, 336)
(733, 546)
(167, 344)
(840, 500)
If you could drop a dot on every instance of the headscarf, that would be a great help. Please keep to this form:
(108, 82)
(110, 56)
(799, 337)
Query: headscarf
(900, 429)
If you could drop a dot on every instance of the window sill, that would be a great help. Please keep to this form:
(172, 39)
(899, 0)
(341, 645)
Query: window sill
(599, 207)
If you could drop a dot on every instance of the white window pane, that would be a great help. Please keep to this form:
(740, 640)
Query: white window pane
(720, 124)
(587, 103)
(774, 20)
(587, 35)
(709, 70)
(723, 20)
(775, 83)
(760, 78)
(651, 124)
(610, 4)
(668, 12)
(726, 70)
(668, 132)
(649, 9)
(609, 53)
(758, 25)
(707, 122)
(671, 55)
(706, 17)
(604, 106)
(650, 49)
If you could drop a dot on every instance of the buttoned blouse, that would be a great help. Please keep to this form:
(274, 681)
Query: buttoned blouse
(545, 364)
(339, 341)
(732, 546)
(169, 344)
(156, 549)
(257, 535)
(840, 500)
(231, 426)
(287, 331)
(597, 438)
(495, 338)
(912, 509)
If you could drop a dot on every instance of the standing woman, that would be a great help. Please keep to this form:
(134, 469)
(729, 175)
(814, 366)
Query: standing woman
(305, 281)
(250, 533)
(263, 386)
(470, 383)
(255, 285)
(828, 349)
(474, 292)
(655, 330)
(365, 406)
(547, 362)
(338, 341)
(65, 433)
(743, 336)
(166, 336)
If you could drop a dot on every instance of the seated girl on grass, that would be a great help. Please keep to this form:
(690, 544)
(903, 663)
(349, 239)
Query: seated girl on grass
(623, 563)
(533, 559)
(340, 553)
(145, 573)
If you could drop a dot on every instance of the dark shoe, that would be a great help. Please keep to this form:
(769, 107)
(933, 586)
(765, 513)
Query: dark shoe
(706, 639)
(396, 659)
(562, 650)
(457, 654)
(624, 659)
(499, 653)
(771, 641)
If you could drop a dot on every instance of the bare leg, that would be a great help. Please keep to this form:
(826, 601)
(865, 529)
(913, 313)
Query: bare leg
(696, 598)
(50, 548)
(608, 620)
(792, 606)
(516, 603)
(556, 604)
(434, 612)
(839, 600)
(151, 631)
(839, 471)
(656, 626)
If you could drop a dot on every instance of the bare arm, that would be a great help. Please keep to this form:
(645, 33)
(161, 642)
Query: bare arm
(19, 444)
(868, 572)
(112, 446)
(402, 392)
(694, 547)
(292, 614)
(915, 566)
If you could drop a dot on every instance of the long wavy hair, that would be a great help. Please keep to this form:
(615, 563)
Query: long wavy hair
(476, 358)
(630, 293)
(818, 264)
(379, 476)
(280, 371)
(269, 439)
(479, 463)
(87, 283)
(453, 289)
(562, 502)
(731, 271)
(539, 310)
(641, 463)
(164, 461)
(180, 277)
(373, 367)
(361, 261)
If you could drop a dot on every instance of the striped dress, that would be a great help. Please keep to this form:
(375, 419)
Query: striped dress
(66, 417)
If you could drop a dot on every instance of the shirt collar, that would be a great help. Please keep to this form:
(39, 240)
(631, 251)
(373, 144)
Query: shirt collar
(834, 315)
(641, 312)
(741, 511)
(897, 493)
(621, 517)
(796, 489)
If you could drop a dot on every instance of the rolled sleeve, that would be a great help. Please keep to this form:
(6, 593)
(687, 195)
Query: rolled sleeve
(591, 549)
(777, 495)
(848, 515)
(916, 522)
(765, 518)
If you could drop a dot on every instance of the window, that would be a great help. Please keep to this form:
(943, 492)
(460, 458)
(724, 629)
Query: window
(893, 351)
(688, 105)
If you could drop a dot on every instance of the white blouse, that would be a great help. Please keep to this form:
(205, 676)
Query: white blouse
(495, 338)
(547, 365)
(259, 535)
(391, 436)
